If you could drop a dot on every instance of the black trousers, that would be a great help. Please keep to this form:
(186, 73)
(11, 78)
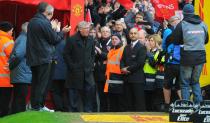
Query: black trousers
(41, 80)
(135, 99)
(117, 102)
(154, 99)
(19, 97)
(59, 94)
(5, 98)
(82, 100)
(103, 97)
(149, 100)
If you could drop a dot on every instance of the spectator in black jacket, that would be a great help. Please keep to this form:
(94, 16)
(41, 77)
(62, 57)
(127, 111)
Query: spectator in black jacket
(59, 92)
(42, 37)
(102, 49)
(118, 12)
(132, 63)
(92, 6)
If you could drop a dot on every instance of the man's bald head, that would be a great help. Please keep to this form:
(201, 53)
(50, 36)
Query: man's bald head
(133, 34)
(142, 34)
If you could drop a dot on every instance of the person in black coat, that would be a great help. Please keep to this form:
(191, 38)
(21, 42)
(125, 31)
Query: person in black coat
(102, 48)
(79, 54)
(42, 37)
(132, 64)
(59, 92)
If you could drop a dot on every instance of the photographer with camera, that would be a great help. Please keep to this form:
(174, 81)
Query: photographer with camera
(172, 66)
(143, 18)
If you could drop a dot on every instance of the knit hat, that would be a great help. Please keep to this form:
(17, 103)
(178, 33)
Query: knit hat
(5, 26)
(188, 9)
(118, 35)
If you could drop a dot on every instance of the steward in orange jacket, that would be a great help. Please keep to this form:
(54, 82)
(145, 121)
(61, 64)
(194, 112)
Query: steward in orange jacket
(6, 46)
(114, 77)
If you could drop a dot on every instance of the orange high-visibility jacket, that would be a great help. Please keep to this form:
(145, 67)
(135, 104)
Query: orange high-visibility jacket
(6, 45)
(113, 64)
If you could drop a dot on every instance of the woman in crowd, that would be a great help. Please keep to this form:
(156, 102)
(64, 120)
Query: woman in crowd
(152, 70)
(20, 72)
(114, 77)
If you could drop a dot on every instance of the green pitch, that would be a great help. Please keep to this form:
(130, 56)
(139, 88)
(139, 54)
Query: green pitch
(112, 117)
(42, 117)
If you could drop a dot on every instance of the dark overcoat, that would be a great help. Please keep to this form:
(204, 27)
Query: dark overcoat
(79, 56)
(135, 59)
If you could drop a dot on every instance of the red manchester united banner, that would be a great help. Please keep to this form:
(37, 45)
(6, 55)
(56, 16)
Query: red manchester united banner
(77, 14)
(165, 8)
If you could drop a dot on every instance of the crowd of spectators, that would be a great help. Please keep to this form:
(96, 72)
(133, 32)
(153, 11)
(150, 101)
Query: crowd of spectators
(124, 60)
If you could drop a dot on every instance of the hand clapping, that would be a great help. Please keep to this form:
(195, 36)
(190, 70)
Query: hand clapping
(66, 28)
(56, 25)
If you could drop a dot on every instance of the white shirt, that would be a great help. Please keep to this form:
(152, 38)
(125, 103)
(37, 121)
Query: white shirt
(134, 43)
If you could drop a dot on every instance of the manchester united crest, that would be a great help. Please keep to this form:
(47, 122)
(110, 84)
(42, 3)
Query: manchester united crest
(77, 10)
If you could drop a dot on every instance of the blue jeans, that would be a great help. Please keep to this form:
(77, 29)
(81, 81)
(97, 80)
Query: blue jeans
(189, 76)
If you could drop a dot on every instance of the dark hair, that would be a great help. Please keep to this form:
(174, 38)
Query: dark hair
(120, 43)
(104, 1)
(113, 22)
(140, 13)
(137, 6)
(103, 5)
(5, 26)
(42, 7)
(117, 35)
(93, 28)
